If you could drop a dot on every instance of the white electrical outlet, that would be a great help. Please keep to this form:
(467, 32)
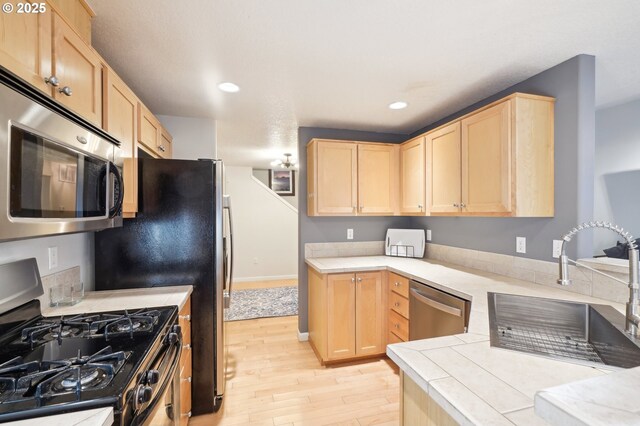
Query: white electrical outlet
(521, 245)
(428, 234)
(349, 234)
(557, 248)
(53, 257)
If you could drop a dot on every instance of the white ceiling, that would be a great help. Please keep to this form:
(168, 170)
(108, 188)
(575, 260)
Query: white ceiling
(337, 63)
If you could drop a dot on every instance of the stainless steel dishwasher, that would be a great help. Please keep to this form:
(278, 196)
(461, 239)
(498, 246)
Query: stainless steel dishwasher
(435, 313)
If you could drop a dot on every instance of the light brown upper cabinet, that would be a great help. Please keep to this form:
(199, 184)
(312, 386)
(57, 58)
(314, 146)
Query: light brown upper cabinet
(498, 161)
(377, 179)
(149, 130)
(443, 162)
(78, 69)
(45, 51)
(120, 120)
(351, 178)
(165, 144)
(412, 177)
(25, 46)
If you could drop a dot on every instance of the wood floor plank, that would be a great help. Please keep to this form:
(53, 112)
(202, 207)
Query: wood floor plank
(275, 380)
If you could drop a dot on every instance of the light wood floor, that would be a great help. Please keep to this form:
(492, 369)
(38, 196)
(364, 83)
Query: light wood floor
(276, 380)
(265, 284)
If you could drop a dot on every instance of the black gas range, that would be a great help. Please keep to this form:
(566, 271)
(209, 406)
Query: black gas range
(123, 359)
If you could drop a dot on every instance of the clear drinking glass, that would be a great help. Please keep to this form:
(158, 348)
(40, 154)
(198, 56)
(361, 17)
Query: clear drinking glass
(66, 294)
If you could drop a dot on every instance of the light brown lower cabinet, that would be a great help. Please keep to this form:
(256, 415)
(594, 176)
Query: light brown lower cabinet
(184, 320)
(398, 310)
(347, 315)
(417, 408)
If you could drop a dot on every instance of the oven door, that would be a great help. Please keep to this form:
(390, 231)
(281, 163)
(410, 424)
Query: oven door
(166, 412)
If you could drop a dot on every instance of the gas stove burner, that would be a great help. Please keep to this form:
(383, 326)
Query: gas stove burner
(45, 331)
(67, 331)
(126, 327)
(90, 378)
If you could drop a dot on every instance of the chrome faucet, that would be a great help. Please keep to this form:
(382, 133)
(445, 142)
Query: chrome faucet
(633, 305)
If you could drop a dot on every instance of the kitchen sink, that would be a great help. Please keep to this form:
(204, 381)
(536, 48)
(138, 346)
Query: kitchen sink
(582, 333)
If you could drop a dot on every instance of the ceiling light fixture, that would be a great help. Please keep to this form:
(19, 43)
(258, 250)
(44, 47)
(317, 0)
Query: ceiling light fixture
(228, 87)
(286, 164)
(398, 105)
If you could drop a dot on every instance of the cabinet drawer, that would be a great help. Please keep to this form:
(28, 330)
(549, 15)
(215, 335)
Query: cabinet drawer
(399, 304)
(185, 402)
(392, 338)
(398, 325)
(185, 361)
(399, 284)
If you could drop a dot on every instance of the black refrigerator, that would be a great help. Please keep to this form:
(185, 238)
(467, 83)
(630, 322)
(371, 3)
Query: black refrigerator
(179, 237)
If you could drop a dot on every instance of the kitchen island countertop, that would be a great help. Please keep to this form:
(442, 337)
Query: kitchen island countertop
(478, 384)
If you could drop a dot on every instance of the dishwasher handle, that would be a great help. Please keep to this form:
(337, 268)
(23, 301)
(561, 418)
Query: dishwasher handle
(435, 304)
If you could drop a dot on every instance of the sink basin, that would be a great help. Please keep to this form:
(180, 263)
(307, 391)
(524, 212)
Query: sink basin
(582, 333)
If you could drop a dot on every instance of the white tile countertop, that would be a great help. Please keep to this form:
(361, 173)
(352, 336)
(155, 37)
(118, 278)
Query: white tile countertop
(475, 383)
(113, 300)
(95, 417)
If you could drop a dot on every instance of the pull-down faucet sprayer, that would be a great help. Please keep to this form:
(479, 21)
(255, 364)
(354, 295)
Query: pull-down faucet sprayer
(633, 305)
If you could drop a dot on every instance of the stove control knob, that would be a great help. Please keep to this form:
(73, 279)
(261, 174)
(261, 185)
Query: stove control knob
(143, 395)
(176, 329)
(172, 338)
(153, 377)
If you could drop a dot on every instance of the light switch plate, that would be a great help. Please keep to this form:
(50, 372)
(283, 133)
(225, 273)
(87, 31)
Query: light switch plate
(428, 234)
(557, 248)
(349, 234)
(521, 245)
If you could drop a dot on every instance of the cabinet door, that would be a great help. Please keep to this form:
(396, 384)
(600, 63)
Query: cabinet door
(337, 191)
(25, 45)
(341, 325)
(369, 314)
(165, 146)
(78, 68)
(412, 176)
(377, 180)
(119, 119)
(148, 129)
(443, 163)
(486, 161)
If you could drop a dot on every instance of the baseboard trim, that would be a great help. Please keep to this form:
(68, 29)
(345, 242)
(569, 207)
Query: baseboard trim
(265, 278)
(303, 337)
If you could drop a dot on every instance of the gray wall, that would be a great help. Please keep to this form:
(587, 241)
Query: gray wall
(617, 171)
(572, 83)
(333, 229)
(263, 176)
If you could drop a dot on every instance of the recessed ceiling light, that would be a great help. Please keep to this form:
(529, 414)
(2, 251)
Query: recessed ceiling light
(398, 105)
(228, 87)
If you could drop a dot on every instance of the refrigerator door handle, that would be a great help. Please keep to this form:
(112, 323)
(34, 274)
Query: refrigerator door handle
(229, 284)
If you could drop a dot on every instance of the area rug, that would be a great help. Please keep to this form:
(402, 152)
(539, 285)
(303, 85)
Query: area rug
(262, 303)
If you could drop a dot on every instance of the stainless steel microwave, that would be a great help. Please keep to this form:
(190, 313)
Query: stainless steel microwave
(56, 175)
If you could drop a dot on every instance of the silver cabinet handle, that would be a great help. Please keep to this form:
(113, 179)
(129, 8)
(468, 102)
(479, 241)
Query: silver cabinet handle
(187, 346)
(188, 379)
(162, 148)
(463, 205)
(456, 205)
(397, 284)
(359, 279)
(353, 280)
(396, 304)
(66, 90)
(187, 414)
(52, 80)
(185, 317)
(420, 206)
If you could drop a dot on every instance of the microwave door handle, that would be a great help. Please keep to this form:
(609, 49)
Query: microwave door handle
(435, 304)
(119, 183)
